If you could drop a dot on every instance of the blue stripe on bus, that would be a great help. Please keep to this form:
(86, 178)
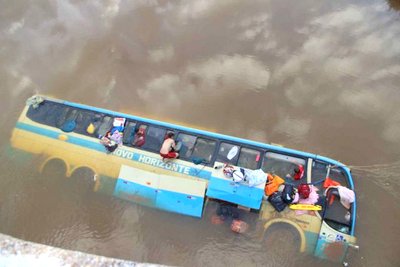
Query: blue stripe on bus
(161, 199)
(227, 190)
(157, 162)
(195, 131)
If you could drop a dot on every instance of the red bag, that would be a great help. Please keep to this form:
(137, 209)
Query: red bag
(304, 190)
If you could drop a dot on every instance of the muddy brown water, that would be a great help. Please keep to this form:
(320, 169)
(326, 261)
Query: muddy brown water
(316, 76)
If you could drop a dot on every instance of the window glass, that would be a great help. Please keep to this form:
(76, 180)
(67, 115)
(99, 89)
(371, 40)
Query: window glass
(48, 113)
(139, 138)
(280, 164)
(249, 158)
(53, 114)
(104, 126)
(129, 133)
(154, 138)
(228, 153)
(63, 116)
(187, 145)
(204, 149)
(39, 114)
(319, 171)
(83, 119)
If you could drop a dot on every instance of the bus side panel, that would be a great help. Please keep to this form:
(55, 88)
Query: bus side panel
(181, 195)
(240, 194)
(180, 203)
(135, 192)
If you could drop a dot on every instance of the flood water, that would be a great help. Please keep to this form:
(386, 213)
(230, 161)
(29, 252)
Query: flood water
(318, 76)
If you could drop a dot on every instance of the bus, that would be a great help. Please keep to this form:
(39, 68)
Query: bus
(185, 185)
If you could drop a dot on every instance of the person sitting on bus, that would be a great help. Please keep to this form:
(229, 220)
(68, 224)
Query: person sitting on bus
(167, 150)
(109, 144)
(140, 137)
(298, 172)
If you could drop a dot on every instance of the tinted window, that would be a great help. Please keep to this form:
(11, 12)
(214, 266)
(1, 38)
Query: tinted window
(104, 126)
(129, 133)
(319, 171)
(187, 145)
(53, 114)
(249, 158)
(280, 164)
(204, 149)
(226, 150)
(48, 113)
(154, 138)
(83, 119)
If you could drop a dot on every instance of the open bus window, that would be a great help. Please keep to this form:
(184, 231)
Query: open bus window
(129, 133)
(187, 145)
(228, 153)
(140, 136)
(154, 138)
(204, 149)
(280, 164)
(249, 158)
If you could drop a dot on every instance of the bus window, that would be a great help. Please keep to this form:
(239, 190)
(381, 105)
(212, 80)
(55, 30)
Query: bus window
(228, 153)
(129, 133)
(140, 136)
(83, 119)
(187, 146)
(319, 171)
(280, 164)
(47, 113)
(53, 114)
(249, 158)
(40, 113)
(204, 149)
(104, 126)
(154, 138)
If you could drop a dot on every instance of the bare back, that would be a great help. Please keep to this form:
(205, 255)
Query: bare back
(167, 146)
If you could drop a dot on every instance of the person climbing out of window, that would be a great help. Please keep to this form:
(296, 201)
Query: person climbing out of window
(168, 147)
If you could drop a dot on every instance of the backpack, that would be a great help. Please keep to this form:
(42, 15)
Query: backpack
(304, 190)
(288, 193)
(277, 202)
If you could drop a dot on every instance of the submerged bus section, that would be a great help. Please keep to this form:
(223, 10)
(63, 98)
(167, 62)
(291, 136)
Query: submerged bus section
(188, 185)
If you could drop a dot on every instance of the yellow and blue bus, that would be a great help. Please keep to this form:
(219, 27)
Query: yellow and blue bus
(184, 185)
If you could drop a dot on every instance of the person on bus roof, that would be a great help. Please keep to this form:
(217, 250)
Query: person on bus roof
(167, 150)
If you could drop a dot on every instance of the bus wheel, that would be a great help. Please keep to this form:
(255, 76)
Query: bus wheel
(54, 168)
(282, 242)
(82, 179)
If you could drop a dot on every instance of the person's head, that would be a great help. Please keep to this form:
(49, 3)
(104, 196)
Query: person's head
(296, 170)
(170, 135)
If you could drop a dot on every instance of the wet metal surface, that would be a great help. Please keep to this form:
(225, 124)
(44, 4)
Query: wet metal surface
(316, 76)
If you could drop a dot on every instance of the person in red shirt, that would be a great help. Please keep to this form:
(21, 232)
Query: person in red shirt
(298, 172)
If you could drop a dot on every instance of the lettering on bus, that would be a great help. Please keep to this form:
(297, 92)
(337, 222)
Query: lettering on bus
(124, 153)
(152, 161)
(164, 165)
